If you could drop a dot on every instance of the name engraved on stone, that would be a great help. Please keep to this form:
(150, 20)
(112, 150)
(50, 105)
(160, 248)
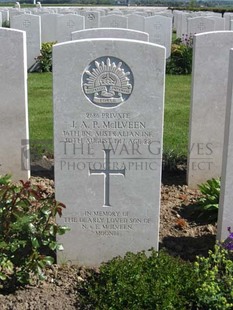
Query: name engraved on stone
(107, 172)
(107, 82)
(26, 23)
(201, 26)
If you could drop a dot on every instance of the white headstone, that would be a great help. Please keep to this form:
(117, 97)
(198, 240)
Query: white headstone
(182, 27)
(14, 12)
(225, 214)
(66, 24)
(31, 24)
(49, 27)
(113, 21)
(228, 17)
(136, 22)
(208, 105)
(14, 158)
(219, 23)
(92, 19)
(159, 29)
(5, 17)
(200, 25)
(108, 120)
(110, 33)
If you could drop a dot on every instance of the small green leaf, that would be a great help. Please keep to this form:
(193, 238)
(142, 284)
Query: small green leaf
(2, 276)
(60, 247)
(32, 228)
(35, 242)
(48, 260)
(62, 230)
(53, 245)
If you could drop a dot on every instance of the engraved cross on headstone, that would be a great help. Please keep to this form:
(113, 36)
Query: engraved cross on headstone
(157, 26)
(201, 26)
(70, 24)
(26, 23)
(107, 172)
(115, 24)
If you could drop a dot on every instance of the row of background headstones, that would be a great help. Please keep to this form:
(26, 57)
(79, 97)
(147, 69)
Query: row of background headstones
(43, 27)
(57, 27)
(207, 121)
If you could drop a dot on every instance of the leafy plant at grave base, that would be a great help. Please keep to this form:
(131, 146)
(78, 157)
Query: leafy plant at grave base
(27, 232)
(40, 148)
(137, 282)
(6, 24)
(180, 61)
(44, 60)
(214, 284)
(208, 204)
(173, 162)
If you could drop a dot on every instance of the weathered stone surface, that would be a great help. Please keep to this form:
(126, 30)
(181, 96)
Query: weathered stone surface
(108, 120)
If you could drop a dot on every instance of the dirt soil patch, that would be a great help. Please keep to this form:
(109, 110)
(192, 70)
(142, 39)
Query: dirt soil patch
(182, 233)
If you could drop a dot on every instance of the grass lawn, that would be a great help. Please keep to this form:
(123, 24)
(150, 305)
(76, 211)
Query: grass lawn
(40, 106)
(176, 115)
(177, 102)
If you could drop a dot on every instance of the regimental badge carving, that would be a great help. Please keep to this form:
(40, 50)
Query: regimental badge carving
(107, 82)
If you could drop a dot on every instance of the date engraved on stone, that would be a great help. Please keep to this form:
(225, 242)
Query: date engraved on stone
(107, 82)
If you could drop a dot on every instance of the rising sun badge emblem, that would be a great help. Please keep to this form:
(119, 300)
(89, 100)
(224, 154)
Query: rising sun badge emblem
(107, 82)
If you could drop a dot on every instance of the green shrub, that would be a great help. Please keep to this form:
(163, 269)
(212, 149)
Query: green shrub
(160, 282)
(44, 61)
(138, 282)
(180, 61)
(208, 204)
(173, 161)
(27, 232)
(214, 280)
(6, 24)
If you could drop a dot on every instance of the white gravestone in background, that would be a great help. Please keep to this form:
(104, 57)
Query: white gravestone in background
(182, 24)
(13, 104)
(113, 21)
(228, 17)
(92, 19)
(31, 24)
(219, 23)
(225, 215)
(136, 22)
(159, 29)
(5, 16)
(208, 105)
(110, 33)
(200, 25)
(49, 27)
(108, 120)
(66, 24)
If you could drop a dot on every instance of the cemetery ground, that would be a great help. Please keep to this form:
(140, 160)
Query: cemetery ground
(182, 232)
